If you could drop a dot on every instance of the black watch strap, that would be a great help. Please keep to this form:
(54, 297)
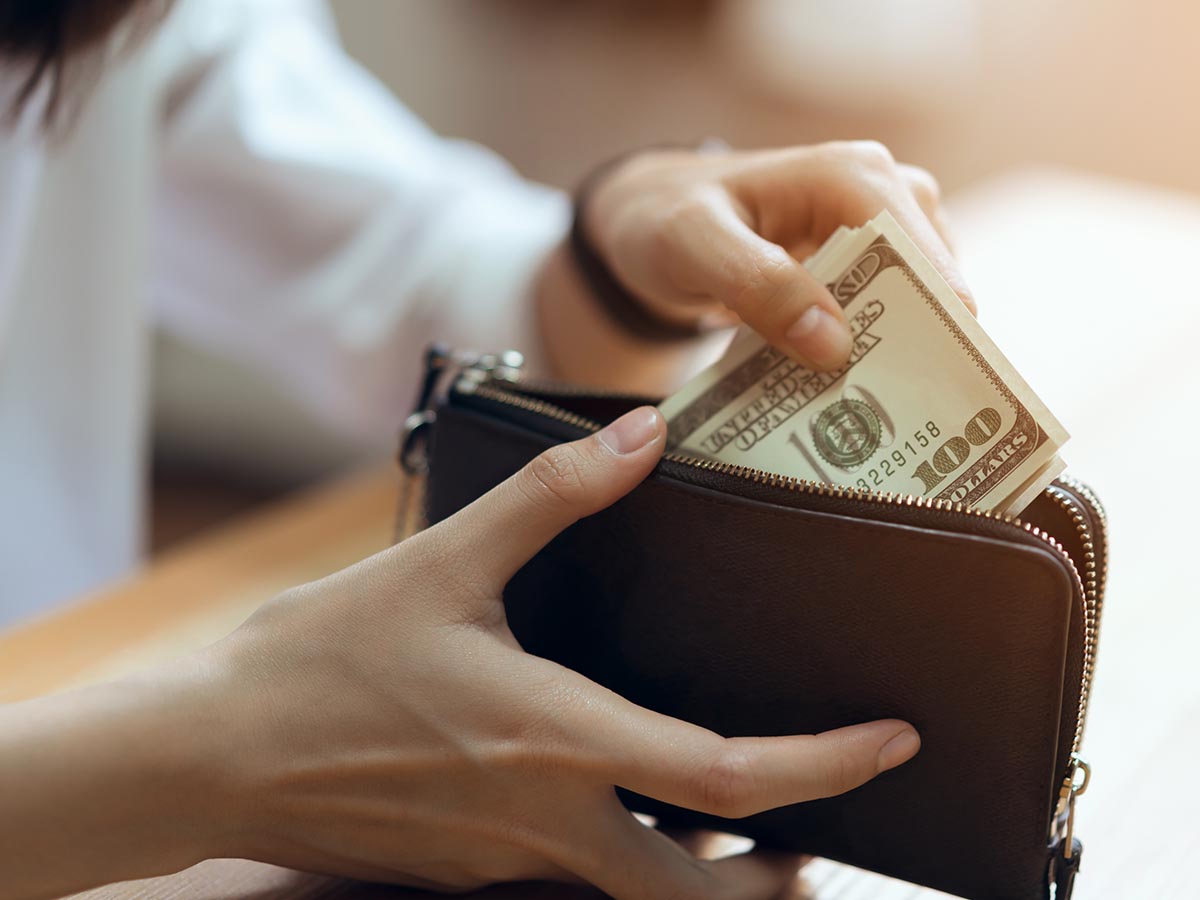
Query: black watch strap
(622, 306)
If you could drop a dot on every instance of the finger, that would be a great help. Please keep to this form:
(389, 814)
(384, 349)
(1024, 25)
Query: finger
(689, 766)
(721, 256)
(700, 842)
(924, 186)
(654, 866)
(738, 777)
(714, 845)
(868, 197)
(510, 523)
(928, 195)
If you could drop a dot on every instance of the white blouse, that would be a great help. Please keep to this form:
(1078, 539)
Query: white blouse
(239, 182)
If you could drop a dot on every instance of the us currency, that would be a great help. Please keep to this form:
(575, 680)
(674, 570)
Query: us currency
(927, 404)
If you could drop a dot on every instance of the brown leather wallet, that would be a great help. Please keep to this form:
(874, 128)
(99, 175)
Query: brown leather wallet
(753, 604)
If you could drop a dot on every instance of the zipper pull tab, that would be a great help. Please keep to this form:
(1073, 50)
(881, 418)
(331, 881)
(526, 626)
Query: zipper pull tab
(411, 455)
(504, 366)
(1064, 815)
(437, 358)
(468, 371)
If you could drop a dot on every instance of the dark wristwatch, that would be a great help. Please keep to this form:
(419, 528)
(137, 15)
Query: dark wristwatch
(618, 302)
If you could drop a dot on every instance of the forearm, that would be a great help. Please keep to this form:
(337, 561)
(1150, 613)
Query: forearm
(585, 346)
(108, 783)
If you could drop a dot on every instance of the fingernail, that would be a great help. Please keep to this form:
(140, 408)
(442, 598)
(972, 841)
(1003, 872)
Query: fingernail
(632, 431)
(820, 338)
(900, 748)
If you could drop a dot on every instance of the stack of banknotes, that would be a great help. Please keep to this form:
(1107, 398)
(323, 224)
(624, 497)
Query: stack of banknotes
(927, 405)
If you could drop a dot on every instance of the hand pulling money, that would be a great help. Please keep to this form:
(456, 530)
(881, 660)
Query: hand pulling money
(927, 404)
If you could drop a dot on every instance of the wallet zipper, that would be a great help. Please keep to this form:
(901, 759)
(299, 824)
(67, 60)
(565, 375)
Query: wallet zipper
(498, 378)
(1094, 575)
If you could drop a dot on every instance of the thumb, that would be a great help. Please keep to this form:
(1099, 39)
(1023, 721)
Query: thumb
(511, 522)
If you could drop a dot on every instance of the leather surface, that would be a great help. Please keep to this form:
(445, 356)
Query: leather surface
(755, 617)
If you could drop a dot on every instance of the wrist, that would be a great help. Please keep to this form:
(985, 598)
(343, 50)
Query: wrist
(112, 782)
(170, 727)
(584, 346)
(597, 204)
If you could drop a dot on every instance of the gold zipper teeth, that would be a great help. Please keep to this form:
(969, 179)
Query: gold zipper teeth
(1098, 508)
(1088, 590)
(1098, 567)
(538, 406)
(514, 395)
(1091, 588)
(531, 386)
(771, 479)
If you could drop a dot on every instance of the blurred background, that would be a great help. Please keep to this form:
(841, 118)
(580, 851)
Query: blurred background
(1065, 135)
(1000, 99)
(965, 87)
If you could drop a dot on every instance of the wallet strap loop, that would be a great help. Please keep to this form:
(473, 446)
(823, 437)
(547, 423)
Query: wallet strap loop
(1063, 869)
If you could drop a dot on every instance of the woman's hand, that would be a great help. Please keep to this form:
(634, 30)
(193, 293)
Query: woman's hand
(691, 233)
(384, 723)
(391, 728)
(714, 238)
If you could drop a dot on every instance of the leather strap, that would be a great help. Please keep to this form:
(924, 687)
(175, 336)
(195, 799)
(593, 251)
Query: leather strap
(1061, 876)
(619, 303)
(622, 306)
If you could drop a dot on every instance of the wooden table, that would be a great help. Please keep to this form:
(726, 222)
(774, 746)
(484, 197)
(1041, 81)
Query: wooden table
(1086, 286)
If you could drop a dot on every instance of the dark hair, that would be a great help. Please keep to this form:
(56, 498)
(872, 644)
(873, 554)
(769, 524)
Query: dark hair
(52, 37)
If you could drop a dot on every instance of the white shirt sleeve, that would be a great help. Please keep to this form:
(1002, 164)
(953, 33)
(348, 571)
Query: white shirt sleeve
(310, 225)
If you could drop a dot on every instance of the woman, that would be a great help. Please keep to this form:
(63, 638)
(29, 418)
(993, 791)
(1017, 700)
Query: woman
(219, 169)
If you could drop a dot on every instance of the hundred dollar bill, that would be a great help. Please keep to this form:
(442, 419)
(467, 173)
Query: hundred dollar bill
(927, 404)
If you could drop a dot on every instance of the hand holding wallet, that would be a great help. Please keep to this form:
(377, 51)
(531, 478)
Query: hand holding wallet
(761, 605)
